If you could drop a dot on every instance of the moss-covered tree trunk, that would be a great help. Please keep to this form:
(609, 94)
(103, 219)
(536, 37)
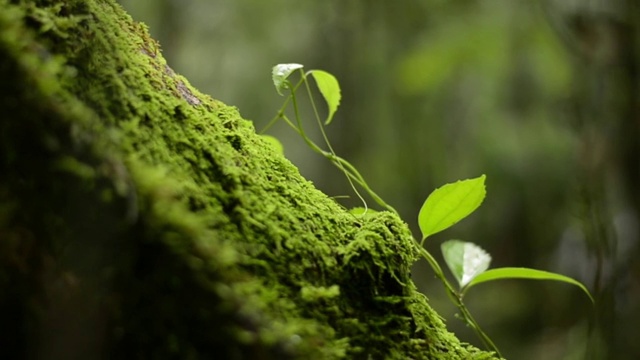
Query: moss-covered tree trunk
(142, 219)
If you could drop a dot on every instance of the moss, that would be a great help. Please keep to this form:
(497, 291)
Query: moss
(215, 245)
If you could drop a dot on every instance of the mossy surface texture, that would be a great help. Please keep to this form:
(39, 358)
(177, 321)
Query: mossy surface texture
(140, 218)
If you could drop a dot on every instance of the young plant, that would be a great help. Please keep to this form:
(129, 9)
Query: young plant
(443, 208)
(330, 90)
(468, 262)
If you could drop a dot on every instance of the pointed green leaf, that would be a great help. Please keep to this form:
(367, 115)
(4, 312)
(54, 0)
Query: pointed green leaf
(465, 260)
(280, 73)
(330, 90)
(274, 142)
(449, 204)
(525, 273)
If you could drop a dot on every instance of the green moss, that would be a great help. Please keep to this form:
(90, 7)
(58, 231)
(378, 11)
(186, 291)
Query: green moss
(226, 249)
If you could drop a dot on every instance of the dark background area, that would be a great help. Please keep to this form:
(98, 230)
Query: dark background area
(541, 96)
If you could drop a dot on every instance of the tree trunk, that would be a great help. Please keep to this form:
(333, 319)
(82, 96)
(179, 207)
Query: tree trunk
(139, 218)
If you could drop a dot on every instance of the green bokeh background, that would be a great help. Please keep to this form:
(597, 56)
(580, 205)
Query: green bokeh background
(538, 95)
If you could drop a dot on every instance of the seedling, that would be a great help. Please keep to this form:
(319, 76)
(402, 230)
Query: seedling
(443, 208)
(330, 90)
(468, 262)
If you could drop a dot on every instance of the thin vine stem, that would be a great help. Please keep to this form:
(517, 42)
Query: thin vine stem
(280, 114)
(350, 171)
(326, 141)
(353, 172)
(456, 298)
(486, 340)
(296, 112)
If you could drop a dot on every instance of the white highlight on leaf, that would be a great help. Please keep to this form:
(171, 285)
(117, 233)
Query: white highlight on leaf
(465, 260)
(281, 72)
(475, 262)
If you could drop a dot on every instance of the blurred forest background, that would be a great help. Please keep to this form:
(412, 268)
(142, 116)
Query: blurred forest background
(542, 96)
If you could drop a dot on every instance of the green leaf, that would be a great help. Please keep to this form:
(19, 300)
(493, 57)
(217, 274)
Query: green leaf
(525, 273)
(465, 260)
(449, 204)
(274, 142)
(330, 90)
(280, 73)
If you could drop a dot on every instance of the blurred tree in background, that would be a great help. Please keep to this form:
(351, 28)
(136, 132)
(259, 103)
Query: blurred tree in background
(542, 96)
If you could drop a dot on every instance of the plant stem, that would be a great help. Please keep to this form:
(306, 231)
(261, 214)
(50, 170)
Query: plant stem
(456, 298)
(349, 170)
(486, 340)
(353, 172)
(326, 141)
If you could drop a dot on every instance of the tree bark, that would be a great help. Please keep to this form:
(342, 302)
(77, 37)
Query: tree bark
(139, 218)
